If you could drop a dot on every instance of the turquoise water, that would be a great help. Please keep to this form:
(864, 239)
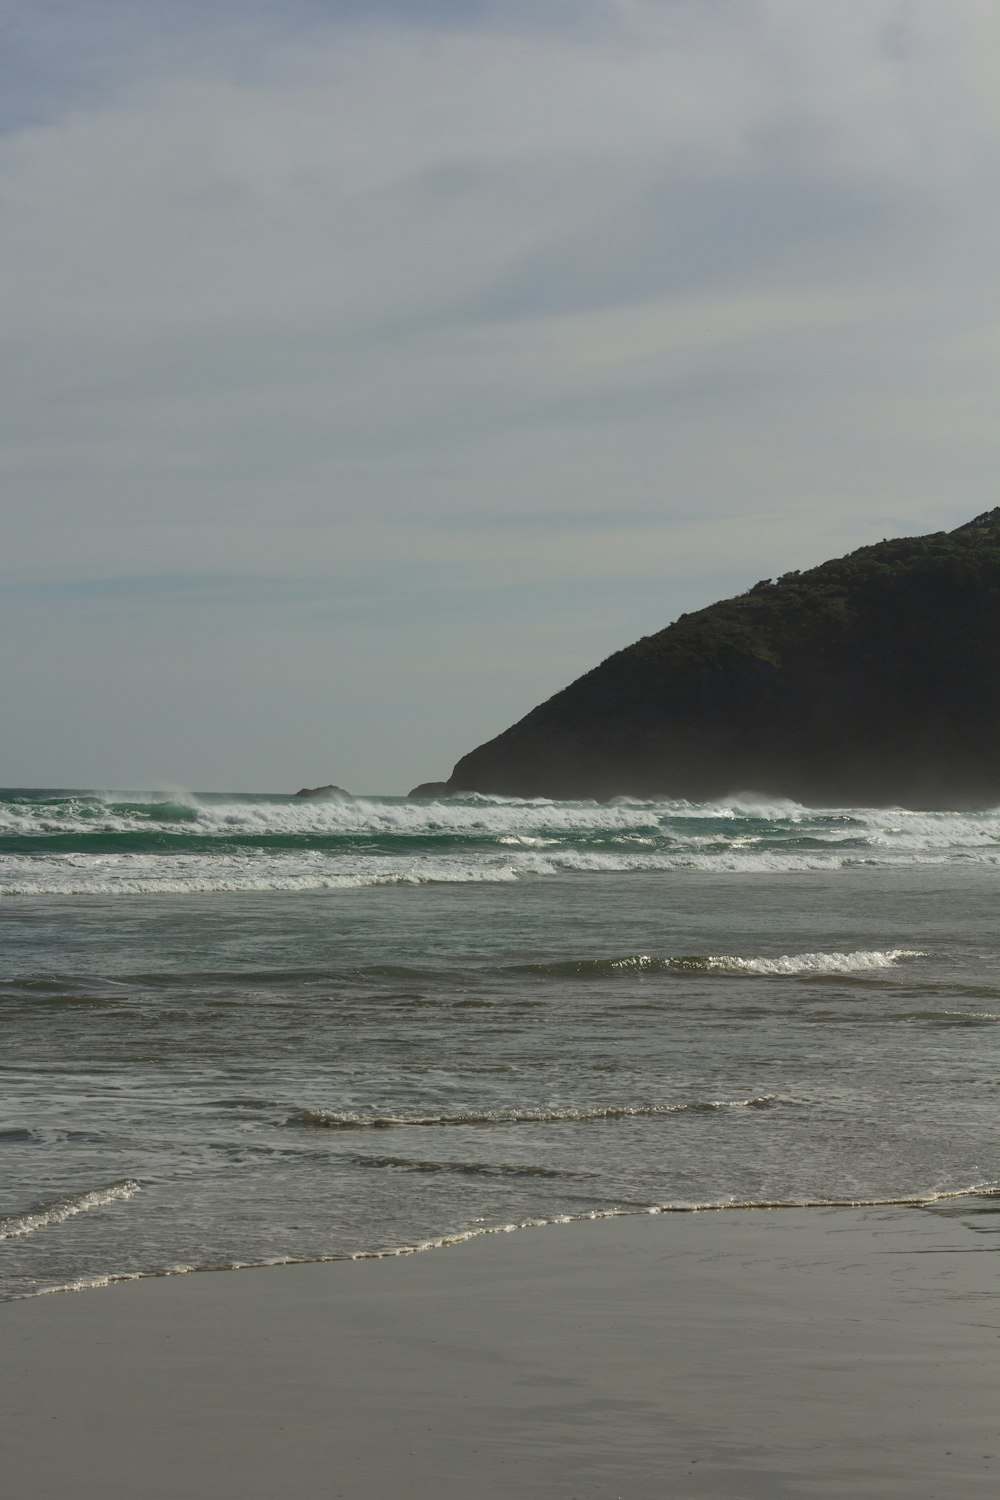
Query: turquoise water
(240, 1029)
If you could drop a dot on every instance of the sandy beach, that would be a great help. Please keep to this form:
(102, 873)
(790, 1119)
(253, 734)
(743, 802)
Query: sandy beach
(736, 1354)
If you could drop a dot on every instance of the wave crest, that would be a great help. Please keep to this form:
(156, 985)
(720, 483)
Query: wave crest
(328, 1119)
(790, 964)
(59, 1209)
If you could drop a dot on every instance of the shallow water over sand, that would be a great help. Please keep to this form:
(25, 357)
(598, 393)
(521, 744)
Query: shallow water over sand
(596, 1018)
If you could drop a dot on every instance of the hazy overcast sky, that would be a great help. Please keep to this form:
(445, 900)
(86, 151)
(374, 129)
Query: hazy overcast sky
(371, 370)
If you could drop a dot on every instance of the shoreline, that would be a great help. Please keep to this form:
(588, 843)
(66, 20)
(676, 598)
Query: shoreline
(763, 1353)
(973, 1194)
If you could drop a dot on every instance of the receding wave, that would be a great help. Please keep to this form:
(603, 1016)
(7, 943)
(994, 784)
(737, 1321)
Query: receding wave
(60, 1209)
(924, 1200)
(328, 1119)
(912, 1200)
(726, 963)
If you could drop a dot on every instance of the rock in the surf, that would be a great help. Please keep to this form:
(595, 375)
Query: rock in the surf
(331, 792)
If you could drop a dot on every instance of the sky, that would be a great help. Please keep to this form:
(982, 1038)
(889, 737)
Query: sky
(371, 371)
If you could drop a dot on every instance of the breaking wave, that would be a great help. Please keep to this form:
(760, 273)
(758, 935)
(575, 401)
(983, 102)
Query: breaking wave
(60, 1209)
(92, 814)
(75, 844)
(817, 964)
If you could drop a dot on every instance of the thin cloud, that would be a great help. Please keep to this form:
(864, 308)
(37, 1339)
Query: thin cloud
(323, 291)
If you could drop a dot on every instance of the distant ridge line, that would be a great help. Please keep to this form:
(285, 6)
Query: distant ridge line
(872, 679)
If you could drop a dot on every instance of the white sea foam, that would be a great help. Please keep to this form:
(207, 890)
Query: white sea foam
(184, 874)
(319, 870)
(789, 964)
(60, 1209)
(815, 963)
(228, 844)
(481, 816)
(473, 816)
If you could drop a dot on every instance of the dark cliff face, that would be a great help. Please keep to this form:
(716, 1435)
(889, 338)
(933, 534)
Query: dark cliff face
(874, 678)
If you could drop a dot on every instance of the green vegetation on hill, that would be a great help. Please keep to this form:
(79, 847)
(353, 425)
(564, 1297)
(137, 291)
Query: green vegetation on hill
(874, 678)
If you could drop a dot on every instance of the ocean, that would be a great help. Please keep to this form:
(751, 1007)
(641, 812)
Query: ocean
(246, 1029)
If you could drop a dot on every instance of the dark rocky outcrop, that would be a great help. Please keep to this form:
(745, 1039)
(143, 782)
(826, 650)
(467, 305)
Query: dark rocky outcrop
(336, 793)
(431, 789)
(872, 679)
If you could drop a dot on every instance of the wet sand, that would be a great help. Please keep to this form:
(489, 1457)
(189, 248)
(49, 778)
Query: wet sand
(769, 1354)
